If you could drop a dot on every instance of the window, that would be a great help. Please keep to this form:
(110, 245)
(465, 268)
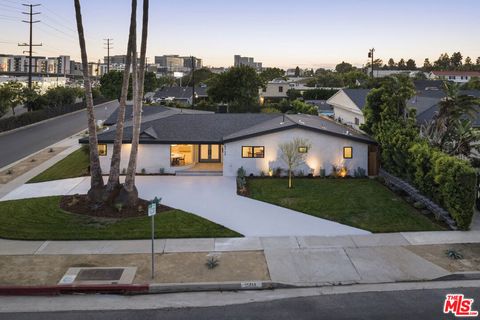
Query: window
(280, 89)
(357, 121)
(102, 150)
(347, 152)
(253, 152)
(302, 149)
(264, 89)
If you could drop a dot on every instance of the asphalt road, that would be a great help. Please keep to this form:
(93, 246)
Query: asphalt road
(19, 144)
(412, 304)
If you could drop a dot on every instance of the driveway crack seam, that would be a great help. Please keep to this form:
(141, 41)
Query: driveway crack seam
(354, 266)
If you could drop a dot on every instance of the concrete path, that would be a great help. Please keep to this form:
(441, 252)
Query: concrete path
(213, 198)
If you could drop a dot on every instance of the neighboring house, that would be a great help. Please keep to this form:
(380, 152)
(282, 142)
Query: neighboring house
(454, 76)
(222, 143)
(382, 73)
(348, 106)
(277, 89)
(180, 94)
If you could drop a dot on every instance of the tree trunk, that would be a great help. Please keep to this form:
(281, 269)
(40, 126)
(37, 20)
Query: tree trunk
(95, 194)
(289, 178)
(129, 191)
(114, 176)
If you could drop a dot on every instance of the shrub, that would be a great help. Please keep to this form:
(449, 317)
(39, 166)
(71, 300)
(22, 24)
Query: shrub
(359, 173)
(456, 181)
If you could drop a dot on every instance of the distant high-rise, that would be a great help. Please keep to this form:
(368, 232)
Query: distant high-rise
(238, 60)
(176, 63)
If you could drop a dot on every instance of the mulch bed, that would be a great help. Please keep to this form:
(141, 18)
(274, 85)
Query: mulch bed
(79, 204)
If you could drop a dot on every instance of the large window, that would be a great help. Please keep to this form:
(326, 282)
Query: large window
(181, 154)
(253, 152)
(347, 152)
(102, 150)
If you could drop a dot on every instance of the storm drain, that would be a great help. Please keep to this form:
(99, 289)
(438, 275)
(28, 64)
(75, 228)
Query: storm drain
(112, 275)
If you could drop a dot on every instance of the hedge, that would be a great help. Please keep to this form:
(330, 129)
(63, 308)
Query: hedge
(31, 117)
(448, 180)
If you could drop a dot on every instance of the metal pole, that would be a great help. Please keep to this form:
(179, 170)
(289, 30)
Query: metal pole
(153, 247)
(193, 82)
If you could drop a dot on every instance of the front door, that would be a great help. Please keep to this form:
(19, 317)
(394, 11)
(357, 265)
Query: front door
(210, 153)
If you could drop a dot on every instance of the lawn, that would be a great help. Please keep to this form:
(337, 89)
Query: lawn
(361, 203)
(74, 165)
(42, 219)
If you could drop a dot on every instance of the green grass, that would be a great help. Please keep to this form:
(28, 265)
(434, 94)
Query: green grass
(42, 219)
(74, 165)
(361, 203)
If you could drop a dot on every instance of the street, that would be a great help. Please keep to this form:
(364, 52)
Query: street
(19, 144)
(410, 304)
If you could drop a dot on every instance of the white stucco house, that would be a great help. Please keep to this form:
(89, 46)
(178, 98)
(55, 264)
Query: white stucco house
(222, 143)
(348, 106)
(454, 76)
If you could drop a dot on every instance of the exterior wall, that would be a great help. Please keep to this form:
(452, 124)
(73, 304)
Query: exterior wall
(151, 157)
(325, 152)
(345, 109)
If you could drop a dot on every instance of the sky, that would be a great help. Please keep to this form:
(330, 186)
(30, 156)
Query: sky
(279, 33)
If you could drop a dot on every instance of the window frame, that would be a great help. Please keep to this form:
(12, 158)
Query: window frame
(351, 152)
(253, 152)
(101, 145)
(302, 148)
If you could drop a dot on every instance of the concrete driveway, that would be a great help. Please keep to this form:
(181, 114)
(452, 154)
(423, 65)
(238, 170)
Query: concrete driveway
(213, 198)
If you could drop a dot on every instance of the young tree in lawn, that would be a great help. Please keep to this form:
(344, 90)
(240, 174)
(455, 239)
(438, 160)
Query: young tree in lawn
(129, 194)
(114, 176)
(96, 192)
(294, 153)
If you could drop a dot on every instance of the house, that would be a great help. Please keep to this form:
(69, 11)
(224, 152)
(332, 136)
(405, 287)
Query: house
(455, 76)
(348, 106)
(277, 89)
(179, 94)
(220, 144)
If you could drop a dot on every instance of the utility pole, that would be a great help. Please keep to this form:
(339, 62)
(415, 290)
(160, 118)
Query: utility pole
(30, 44)
(370, 55)
(109, 46)
(193, 82)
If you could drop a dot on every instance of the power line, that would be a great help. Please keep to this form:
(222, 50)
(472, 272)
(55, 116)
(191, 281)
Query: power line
(109, 46)
(31, 22)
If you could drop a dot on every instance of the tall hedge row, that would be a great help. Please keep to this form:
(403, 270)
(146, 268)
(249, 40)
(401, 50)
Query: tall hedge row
(448, 180)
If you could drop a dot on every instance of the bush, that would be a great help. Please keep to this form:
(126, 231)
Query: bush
(359, 173)
(456, 181)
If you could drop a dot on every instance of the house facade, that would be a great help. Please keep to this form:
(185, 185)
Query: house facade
(454, 76)
(348, 106)
(220, 144)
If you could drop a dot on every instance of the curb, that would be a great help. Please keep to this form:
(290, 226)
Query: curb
(50, 119)
(68, 289)
(134, 289)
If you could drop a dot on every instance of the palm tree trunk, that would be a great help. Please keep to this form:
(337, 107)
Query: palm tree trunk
(114, 177)
(95, 193)
(129, 186)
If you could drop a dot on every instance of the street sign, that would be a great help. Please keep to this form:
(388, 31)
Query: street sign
(152, 209)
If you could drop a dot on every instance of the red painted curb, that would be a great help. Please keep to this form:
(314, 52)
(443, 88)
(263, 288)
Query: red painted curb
(69, 289)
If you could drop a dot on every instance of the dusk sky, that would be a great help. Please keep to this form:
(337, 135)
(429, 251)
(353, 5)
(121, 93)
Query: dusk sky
(307, 33)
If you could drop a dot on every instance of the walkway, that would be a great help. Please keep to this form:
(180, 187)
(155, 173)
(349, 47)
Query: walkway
(213, 198)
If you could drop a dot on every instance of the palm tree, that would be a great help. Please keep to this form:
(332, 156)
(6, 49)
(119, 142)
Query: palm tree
(129, 194)
(113, 179)
(95, 194)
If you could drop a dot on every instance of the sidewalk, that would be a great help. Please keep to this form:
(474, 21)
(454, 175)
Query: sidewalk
(292, 261)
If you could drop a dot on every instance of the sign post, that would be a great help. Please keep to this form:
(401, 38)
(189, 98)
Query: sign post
(152, 211)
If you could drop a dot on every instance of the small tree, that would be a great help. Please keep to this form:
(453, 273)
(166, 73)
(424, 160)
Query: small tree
(293, 153)
(10, 96)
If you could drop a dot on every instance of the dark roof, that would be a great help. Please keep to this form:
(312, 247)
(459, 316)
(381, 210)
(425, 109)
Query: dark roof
(358, 96)
(219, 128)
(147, 111)
(179, 92)
(428, 84)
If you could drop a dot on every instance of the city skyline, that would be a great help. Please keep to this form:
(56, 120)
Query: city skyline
(310, 35)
